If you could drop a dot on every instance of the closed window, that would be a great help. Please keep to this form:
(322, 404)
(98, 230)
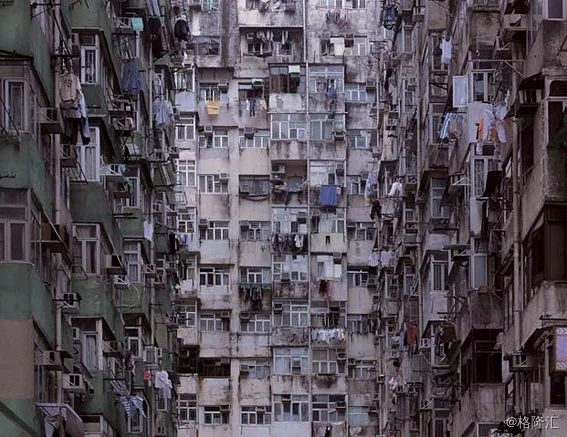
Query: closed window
(214, 322)
(361, 231)
(324, 361)
(358, 139)
(255, 231)
(321, 127)
(290, 267)
(358, 416)
(13, 215)
(355, 92)
(328, 408)
(555, 9)
(259, 368)
(213, 184)
(132, 254)
(362, 369)
(214, 276)
(292, 314)
(259, 140)
(89, 157)
(291, 408)
(186, 314)
(256, 415)
(215, 231)
(357, 278)
(291, 360)
(185, 129)
(288, 126)
(187, 407)
(15, 112)
(90, 61)
(256, 324)
(216, 415)
(255, 275)
(88, 238)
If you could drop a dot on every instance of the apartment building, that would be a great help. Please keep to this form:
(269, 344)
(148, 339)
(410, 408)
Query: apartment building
(277, 137)
(88, 220)
(471, 133)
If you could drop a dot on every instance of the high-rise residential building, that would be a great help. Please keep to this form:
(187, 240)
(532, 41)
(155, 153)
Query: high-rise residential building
(87, 218)
(472, 185)
(276, 135)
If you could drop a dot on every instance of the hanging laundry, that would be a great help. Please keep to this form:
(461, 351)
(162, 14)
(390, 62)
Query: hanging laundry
(376, 210)
(369, 187)
(163, 113)
(411, 335)
(85, 129)
(213, 107)
(69, 88)
(163, 384)
(491, 127)
(328, 195)
(396, 190)
(131, 81)
(386, 257)
(181, 30)
(374, 259)
(446, 47)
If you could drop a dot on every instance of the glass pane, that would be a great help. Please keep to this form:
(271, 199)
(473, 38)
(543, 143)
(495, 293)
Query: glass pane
(17, 233)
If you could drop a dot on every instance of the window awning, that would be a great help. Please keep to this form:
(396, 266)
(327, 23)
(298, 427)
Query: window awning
(54, 411)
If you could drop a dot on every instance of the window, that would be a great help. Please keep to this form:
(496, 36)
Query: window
(186, 314)
(90, 350)
(291, 314)
(361, 231)
(357, 278)
(356, 92)
(329, 408)
(290, 267)
(132, 255)
(260, 140)
(482, 88)
(210, 5)
(291, 408)
(358, 139)
(329, 4)
(88, 237)
(259, 368)
(359, 4)
(256, 415)
(358, 416)
(208, 46)
(321, 126)
(214, 276)
(255, 231)
(89, 157)
(288, 126)
(215, 231)
(437, 189)
(481, 363)
(254, 185)
(214, 322)
(256, 324)
(527, 145)
(439, 276)
(209, 91)
(287, 79)
(136, 199)
(90, 62)
(183, 81)
(294, 360)
(555, 9)
(137, 421)
(407, 39)
(360, 47)
(15, 105)
(362, 369)
(13, 215)
(331, 223)
(323, 79)
(255, 275)
(356, 185)
(289, 221)
(186, 219)
(217, 415)
(213, 184)
(329, 267)
(219, 140)
(325, 362)
(187, 407)
(185, 129)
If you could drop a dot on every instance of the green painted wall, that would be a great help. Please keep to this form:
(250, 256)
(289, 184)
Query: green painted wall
(24, 161)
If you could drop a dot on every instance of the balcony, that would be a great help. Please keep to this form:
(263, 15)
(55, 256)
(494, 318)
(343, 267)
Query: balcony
(287, 14)
(292, 290)
(436, 157)
(480, 403)
(290, 336)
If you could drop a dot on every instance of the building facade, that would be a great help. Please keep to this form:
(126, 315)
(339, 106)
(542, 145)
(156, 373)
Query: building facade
(276, 135)
(471, 133)
(87, 226)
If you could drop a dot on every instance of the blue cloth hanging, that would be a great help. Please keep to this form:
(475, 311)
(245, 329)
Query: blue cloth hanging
(328, 195)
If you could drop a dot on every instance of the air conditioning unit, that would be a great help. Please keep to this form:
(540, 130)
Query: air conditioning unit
(341, 405)
(349, 40)
(225, 314)
(203, 223)
(76, 334)
(244, 368)
(150, 355)
(223, 86)
(278, 307)
(74, 382)
(257, 83)
(520, 362)
(245, 315)
(340, 168)
(370, 84)
(114, 265)
(224, 176)
(244, 189)
(249, 132)
(208, 130)
(294, 70)
(341, 356)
